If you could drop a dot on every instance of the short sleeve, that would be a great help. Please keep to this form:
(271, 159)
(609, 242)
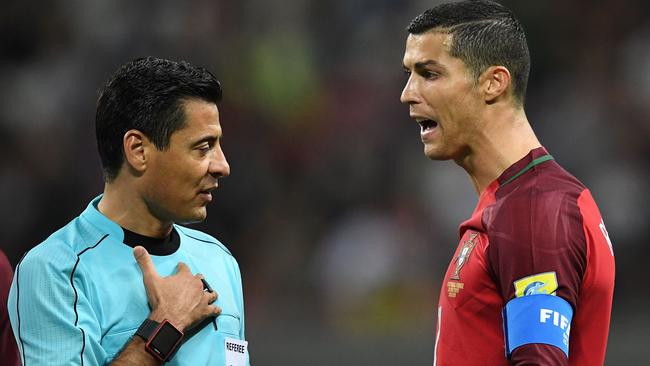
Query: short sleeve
(51, 312)
(537, 245)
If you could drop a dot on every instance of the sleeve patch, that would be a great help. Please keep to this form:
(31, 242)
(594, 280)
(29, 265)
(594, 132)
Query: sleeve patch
(537, 284)
(537, 319)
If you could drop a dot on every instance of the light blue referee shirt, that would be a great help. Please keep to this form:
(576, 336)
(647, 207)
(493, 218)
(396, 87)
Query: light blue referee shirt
(78, 297)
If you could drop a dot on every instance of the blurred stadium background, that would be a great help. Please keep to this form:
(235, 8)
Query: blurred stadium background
(341, 227)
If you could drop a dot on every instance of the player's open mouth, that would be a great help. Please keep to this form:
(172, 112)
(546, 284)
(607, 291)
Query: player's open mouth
(427, 124)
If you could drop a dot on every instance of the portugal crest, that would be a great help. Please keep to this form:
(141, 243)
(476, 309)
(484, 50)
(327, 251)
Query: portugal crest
(463, 255)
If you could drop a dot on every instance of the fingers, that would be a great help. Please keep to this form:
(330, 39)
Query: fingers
(212, 297)
(214, 310)
(144, 262)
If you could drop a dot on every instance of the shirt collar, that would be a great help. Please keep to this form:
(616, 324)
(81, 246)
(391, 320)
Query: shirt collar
(97, 219)
(517, 167)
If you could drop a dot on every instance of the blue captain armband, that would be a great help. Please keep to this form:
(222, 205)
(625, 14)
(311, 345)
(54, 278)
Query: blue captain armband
(537, 319)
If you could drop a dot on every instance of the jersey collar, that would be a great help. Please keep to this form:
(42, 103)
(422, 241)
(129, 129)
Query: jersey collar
(154, 246)
(533, 158)
(101, 222)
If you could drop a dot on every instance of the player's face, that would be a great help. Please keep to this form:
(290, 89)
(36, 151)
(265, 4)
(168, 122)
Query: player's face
(181, 178)
(442, 96)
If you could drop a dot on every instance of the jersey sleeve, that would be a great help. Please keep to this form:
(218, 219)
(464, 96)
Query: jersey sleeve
(50, 310)
(537, 247)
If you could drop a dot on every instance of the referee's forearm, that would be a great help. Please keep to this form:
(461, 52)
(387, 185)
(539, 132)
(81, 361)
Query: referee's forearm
(134, 354)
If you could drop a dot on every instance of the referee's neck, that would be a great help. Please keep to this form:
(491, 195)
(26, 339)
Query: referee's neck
(123, 204)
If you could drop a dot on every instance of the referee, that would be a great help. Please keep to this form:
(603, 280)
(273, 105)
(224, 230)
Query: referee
(123, 283)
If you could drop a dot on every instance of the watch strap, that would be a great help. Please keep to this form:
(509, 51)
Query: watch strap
(147, 328)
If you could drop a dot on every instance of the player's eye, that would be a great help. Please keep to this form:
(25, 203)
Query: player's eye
(430, 75)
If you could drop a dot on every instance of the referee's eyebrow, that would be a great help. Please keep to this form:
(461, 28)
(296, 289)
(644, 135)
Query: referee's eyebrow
(209, 138)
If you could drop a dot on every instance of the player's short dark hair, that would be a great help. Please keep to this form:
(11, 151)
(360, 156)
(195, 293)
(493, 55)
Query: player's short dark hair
(484, 34)
(147, 94)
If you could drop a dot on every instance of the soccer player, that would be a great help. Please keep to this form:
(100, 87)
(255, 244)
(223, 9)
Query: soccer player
(8, 349)
(531, 282)
(124, 283)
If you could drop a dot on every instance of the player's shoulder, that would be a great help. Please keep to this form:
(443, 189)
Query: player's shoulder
(548, 186)
(542, 197)
(6, 272)
(200, 238)
(554, 177)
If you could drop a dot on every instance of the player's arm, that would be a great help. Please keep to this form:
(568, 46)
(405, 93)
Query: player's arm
(537, 330)
(537, 257)
(8, 347)
(178, 303)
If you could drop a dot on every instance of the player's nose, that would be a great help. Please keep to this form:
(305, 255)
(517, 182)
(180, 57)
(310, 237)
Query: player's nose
(409, 93)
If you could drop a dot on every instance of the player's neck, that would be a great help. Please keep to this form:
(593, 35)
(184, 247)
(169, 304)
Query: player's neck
(506, 138)
(123, 205)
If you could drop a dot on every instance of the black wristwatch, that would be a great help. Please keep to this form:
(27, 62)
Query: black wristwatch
(162, 339)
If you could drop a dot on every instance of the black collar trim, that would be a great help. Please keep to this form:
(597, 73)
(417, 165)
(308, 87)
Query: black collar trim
(155, 246)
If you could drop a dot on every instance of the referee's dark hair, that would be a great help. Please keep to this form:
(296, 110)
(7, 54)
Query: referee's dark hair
(147, 94)
(484, 34)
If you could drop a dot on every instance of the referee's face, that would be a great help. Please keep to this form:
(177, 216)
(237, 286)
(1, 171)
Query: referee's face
(442, 96)
(180, 180)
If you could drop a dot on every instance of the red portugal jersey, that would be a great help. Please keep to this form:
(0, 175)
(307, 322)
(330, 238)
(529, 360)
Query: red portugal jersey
(535, 230)
(8, 349)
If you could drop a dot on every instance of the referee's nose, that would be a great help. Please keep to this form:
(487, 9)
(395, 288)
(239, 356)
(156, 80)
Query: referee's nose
(219, 166)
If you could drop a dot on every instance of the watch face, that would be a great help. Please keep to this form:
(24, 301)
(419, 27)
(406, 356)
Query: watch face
(164, 342)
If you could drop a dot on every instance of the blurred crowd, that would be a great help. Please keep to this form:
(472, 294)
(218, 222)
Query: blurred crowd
(342, 228)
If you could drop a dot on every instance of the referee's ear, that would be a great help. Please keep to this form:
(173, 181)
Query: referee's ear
(134, 144)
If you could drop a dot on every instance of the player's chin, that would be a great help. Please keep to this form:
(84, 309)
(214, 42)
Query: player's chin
(433, 153)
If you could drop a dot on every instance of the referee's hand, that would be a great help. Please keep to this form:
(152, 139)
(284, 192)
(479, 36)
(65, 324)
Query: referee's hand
(179, 298)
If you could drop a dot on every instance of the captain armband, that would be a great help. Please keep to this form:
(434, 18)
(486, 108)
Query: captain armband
(537, 319)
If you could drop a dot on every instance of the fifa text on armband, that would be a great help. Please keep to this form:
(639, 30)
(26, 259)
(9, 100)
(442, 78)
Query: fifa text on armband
(559, 320)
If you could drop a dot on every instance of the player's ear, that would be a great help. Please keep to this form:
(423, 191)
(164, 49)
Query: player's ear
(495, 83)
(136, 146)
